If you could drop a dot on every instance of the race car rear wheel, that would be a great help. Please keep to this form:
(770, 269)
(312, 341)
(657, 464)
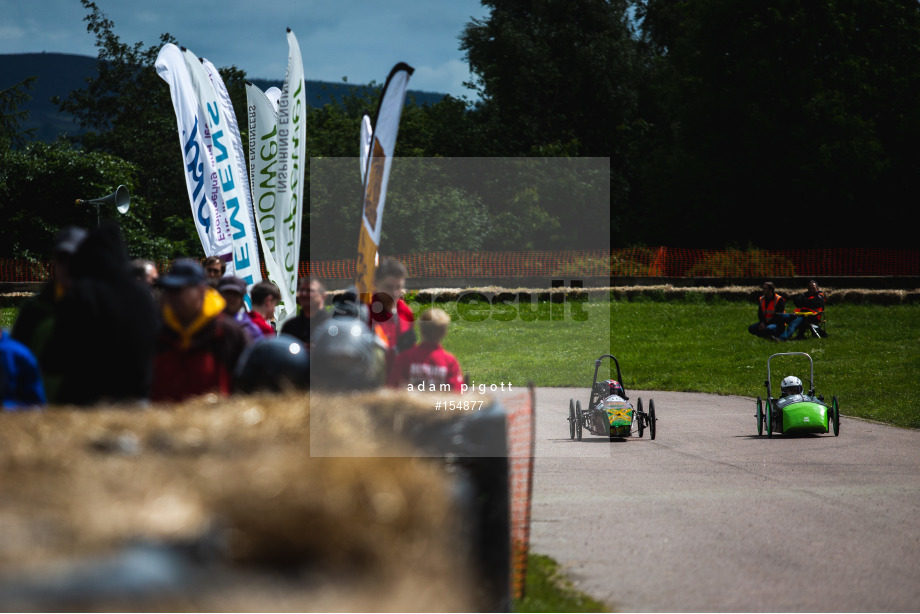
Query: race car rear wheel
(640, 417)
(836, 417)
(651, 418)
(571, 419)
(759, 416)
(578, 419)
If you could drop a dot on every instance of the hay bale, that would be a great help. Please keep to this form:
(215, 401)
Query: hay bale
(283, 529)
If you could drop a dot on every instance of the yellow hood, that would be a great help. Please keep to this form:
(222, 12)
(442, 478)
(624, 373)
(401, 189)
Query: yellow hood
(213, 305)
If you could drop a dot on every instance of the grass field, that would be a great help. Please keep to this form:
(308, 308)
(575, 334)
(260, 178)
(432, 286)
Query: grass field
(870, 360)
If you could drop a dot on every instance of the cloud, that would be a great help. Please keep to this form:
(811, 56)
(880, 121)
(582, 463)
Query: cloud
(447, 77)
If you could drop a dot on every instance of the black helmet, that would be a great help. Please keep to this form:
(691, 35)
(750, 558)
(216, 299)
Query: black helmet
(348, 305)
(346, 355)
(274, 364)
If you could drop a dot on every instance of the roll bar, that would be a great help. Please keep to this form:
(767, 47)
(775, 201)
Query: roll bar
(811, 380)
(597, 365)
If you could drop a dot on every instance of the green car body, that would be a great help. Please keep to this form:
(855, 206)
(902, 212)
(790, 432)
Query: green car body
(802, 413)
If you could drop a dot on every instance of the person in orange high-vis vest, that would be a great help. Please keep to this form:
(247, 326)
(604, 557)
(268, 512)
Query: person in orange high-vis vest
(771, 314)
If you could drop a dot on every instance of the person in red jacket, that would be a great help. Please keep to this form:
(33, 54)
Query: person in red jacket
(265, 298)
(428, 366)
(391, 317)
(198, 345)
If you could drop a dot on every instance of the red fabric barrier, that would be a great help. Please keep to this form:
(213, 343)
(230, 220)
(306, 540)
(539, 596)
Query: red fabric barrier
(626, 262)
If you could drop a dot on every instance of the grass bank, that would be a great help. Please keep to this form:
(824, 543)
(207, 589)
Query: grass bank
(549, 590)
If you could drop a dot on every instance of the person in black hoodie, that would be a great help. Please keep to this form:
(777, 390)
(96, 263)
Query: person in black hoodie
(105, 328)
(35, 321)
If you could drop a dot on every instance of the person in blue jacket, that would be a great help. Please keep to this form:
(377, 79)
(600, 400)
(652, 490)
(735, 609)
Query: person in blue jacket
(20, 380)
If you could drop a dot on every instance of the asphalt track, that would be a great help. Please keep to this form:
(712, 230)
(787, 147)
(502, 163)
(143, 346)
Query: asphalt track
(711, 517)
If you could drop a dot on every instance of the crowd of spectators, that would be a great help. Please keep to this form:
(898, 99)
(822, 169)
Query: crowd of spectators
(107, 329)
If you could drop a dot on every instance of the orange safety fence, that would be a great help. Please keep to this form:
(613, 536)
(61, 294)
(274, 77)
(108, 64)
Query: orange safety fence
(624, 262)
(521, 435)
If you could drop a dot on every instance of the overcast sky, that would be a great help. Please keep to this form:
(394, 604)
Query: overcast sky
(357, 39)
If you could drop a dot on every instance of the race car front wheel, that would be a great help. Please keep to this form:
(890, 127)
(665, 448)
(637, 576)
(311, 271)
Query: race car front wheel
(640, 417)
(651, 418)
(571, 419)
(578, 419)
(836, 417)
(769, 417)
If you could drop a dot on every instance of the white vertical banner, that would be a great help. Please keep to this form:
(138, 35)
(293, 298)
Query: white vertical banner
(263, 178)
(208, 211)
(231, 183)
(377, 173)
(292, 135)
(365, 145)
(235, 141)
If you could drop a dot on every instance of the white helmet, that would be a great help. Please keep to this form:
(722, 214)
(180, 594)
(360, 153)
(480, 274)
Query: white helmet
(791, 385)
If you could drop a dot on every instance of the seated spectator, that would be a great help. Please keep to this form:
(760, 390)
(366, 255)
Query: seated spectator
(428, 366)
(809, 307)
(20, 380)
(265, 297)
(311, 298)
(198, 346)
(233, 290)
(771, 314)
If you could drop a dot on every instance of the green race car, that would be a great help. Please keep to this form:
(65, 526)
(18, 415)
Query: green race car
(796, 411)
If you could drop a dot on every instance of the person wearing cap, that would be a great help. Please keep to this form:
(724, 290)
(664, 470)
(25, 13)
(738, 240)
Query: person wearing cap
(311, 298)
(35, 321)
(233, 289)
(198, 345)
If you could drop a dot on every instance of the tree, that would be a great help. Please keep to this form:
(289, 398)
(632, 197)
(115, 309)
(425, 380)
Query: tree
(38, 187)
(555, 72)
(775, 121)
(11, 115)
(559, 78)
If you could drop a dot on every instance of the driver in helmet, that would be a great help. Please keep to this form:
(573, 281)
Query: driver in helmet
(614, 387)
(791, 385)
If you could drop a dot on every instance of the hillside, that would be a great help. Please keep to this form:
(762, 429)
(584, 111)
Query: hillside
(60, 73)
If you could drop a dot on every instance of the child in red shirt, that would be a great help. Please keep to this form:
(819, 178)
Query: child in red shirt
(428, 366)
